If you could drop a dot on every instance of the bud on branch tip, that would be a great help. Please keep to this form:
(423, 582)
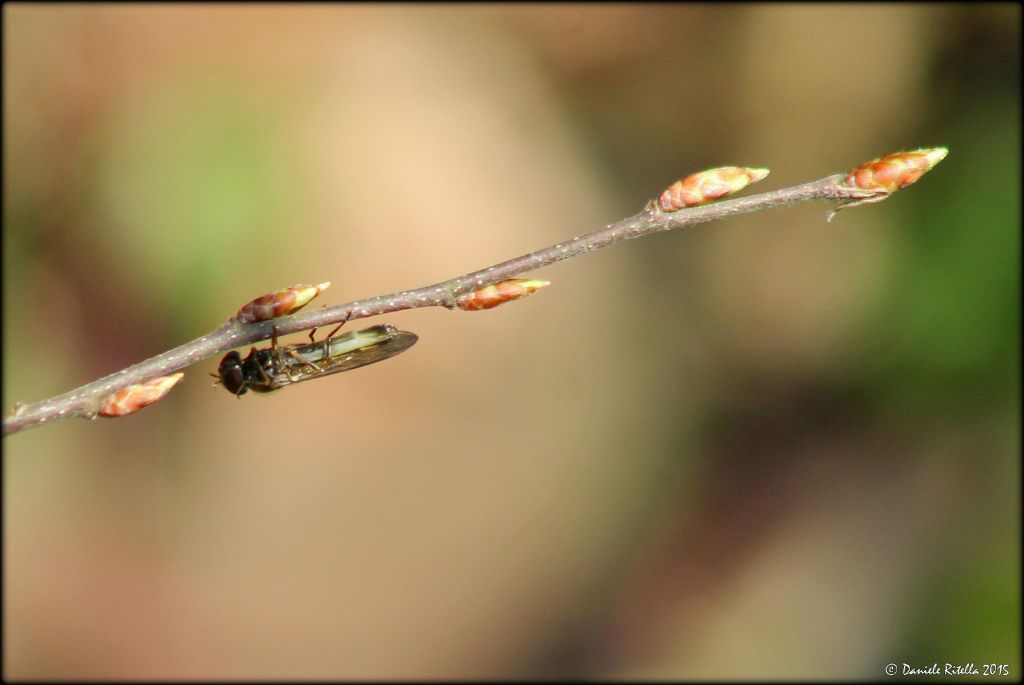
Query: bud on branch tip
(492, 295)
(876, 180)
(704, 186)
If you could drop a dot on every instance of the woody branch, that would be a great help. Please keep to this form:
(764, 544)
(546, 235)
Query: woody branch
(870, 182)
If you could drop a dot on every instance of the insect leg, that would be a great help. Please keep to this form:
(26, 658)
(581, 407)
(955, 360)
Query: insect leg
(327, 341)
(338, 327)
(302, 360)
(275, 352)
(266, 378)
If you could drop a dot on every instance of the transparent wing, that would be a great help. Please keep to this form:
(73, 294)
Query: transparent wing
(350, 342)
(347, 352)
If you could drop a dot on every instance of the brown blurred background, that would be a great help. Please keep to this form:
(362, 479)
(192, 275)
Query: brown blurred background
(767, 447)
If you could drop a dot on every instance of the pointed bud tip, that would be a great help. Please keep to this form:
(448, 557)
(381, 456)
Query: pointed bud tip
(758, 174)
(165, 383)
(934, 154)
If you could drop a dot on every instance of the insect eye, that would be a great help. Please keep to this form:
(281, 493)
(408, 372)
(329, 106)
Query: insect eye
(231, 374)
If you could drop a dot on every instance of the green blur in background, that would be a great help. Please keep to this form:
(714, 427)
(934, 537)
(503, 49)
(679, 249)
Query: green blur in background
(769, 447)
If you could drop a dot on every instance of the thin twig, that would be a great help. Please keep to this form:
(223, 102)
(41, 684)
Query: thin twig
(84, 401)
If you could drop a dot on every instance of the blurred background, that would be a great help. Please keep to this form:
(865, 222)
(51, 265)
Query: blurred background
(767, 447)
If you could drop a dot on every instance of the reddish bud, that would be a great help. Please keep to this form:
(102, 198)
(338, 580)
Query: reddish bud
(704, 186)
(133, 398)
(895, 171)
(280, 303)
(880, 178)
(499, 293)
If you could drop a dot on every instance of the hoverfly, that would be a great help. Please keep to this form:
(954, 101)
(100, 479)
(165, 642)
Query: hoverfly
(275, 367)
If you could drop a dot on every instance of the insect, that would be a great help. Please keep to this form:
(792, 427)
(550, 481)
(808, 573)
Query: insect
(274, 367)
